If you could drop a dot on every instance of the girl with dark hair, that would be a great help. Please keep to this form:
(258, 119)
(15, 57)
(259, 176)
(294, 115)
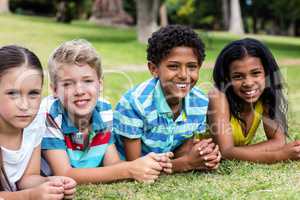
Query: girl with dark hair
(249, 90)
(21, 80)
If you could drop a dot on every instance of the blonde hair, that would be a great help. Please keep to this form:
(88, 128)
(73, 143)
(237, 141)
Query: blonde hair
(76, 52)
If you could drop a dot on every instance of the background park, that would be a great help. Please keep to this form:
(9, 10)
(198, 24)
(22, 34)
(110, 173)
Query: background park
(119, 29)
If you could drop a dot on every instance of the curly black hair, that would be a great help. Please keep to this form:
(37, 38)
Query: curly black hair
(166, 38)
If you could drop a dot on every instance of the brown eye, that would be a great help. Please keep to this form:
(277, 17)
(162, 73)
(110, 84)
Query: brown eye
(192, 67)
(173, 67)
(236, 77)
(257, 73)
(88, 80)
(66, 84)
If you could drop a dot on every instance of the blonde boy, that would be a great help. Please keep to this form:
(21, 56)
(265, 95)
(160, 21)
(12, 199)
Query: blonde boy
(77, 138)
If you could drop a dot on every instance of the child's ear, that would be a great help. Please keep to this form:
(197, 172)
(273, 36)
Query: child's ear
(153, 68)
(54, 89)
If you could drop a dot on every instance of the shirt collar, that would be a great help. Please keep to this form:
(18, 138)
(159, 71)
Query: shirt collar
(68, 126)
(161, 102)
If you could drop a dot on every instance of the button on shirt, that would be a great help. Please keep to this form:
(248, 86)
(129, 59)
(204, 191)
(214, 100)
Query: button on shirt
(144, 113)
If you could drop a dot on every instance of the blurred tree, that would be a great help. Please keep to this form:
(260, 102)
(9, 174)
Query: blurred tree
(4, 6)
(163, 14)
(286, 13)
(225, 14)
(236, 22)
(63, 13)
(130, 8)
(110, 12)
(67, 10)
(33, 7)
(147, 13)
(196, 13)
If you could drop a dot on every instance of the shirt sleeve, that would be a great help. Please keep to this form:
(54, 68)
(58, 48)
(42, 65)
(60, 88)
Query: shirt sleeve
(53, 136)
(127, 118)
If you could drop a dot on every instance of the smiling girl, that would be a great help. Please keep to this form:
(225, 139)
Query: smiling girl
(249, 90)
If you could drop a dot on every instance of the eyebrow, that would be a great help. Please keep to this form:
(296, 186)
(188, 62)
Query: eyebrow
(65, 80)
(87, 76)
(194, 62)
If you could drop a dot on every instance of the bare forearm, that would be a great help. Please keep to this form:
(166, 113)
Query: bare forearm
(184, 148)
(20, 195)
(105, 174)
(133, 148)
(268, 145)
(30, 181)
(180, 164)
(248, 154)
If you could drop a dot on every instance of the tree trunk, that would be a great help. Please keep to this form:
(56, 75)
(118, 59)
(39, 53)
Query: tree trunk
(163, 15)
(63, 13)
(292, 28)
(226, 13)
(110, 12)
(236, 22)
(147, 13)
(4, 6)
(254, 23)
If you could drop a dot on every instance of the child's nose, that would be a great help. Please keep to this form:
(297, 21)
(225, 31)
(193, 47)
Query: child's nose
(23, 103)
(248, 82)
(79, 89)
(183, 73)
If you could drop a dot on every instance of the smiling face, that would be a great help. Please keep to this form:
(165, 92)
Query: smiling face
(178, 72)
(78, 88)
(20, 97)
(247, 78)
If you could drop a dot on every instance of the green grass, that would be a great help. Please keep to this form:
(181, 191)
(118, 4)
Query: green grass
(118, 47)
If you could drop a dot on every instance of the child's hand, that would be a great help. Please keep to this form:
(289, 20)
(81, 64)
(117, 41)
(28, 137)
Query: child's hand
(202, 152)
(50, 190)
(146, 168)
(212, 160)
(68, 183)
(165, 162)
(292, 150)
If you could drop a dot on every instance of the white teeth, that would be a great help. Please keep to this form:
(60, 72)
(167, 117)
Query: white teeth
(180, 85)
(250, 92)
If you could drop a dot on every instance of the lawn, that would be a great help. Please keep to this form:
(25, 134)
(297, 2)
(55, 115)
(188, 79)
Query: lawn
(120, 50)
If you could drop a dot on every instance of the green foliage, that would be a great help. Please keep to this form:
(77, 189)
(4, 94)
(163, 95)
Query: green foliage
(201, 14)
(40, 7)
(130, 8)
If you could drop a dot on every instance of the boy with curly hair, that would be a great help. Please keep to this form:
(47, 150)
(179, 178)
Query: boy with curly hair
(164, 113)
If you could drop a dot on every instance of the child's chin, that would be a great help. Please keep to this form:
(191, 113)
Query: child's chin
(181, 95)
(83, 113)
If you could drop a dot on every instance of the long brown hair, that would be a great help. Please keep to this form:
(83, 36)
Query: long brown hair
(15, 56)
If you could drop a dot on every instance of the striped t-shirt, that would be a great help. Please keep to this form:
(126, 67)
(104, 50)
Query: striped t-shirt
(144, 113)
(60, 133)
